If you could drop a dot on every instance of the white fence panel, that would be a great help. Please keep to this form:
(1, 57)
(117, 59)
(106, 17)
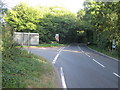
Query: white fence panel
(26, 38)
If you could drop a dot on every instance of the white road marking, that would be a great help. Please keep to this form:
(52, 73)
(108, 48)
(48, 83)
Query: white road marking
(62, 78)
(116, 75)
(98, 63)
(56, 57)
(80, 49)
(87, 55)
(59, 49)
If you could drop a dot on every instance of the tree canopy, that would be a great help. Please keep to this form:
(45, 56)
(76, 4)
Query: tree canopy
(47, 21)
(97, 23)
(100, 20)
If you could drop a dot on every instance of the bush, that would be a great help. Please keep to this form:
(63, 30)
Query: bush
(118, 50)
(21, 69)
(8, 45)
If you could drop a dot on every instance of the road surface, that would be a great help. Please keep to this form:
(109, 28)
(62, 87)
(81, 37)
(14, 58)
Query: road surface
(80, 67)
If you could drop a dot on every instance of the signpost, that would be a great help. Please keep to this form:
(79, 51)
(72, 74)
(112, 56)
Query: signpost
(113, 44)
(57, 37)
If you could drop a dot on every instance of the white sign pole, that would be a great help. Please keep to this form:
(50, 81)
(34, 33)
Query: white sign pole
(113, 44)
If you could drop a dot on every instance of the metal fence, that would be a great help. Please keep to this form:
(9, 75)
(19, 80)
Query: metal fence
(23, 38)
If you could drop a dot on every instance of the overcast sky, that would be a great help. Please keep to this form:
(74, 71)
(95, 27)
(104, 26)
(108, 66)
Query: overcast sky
(72, 5)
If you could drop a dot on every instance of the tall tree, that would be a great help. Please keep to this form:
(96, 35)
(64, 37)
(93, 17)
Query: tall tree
(101, 19)
(47, 21)
(22, 18)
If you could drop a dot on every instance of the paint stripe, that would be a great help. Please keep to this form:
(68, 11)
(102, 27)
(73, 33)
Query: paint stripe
(116, 75)
(63, 78)
(59, 49)
(80, 49)
(98, 63)
(56, 57)
(54, 60)
(87, 55)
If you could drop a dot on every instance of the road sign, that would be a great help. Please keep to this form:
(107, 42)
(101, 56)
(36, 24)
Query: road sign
(57, 37)
(114, 44)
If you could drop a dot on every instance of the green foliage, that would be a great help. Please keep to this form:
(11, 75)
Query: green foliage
(53, 44)
(100, 20)
(27, 70)
(104, 20)
(113, 53)
(8, 45)
(21, 69)
(118, 51)
(22, 18)
(47, 21)
(57, 20)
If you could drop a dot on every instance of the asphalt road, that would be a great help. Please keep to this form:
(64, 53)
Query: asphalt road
(80, 67)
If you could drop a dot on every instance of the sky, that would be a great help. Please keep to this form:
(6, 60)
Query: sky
(72, 5)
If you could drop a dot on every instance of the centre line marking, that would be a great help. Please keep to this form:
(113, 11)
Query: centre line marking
(116, 75)
(56, 57)
(98, 63)
(62, 78)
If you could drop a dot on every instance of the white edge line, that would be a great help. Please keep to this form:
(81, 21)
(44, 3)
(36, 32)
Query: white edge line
(116, 75)
(56, 57)
(80, 49)
(62, 78)
(98, 63)
(59, 49)
(87, 55)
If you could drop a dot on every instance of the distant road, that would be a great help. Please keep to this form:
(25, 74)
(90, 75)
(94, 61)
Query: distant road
(80, 67)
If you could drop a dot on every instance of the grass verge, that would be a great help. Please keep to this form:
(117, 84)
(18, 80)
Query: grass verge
(21, 69)
(27, 71)
(44, 45)
(111, 53)
(50, 45)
